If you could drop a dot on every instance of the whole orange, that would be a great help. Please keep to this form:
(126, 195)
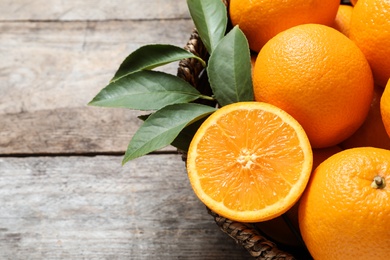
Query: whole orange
(343, 19)
(370, 30)
(320, 77)
(260, 20)
(385, 108)
(372, 132)
(344, 211)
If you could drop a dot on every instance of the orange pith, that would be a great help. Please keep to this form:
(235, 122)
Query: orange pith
(249, 161)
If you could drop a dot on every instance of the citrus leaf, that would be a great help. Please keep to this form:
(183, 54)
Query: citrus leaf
(210, 19)
(183, 140)
(229, 69)
(146, 90)
(151, 56)
(162, 127)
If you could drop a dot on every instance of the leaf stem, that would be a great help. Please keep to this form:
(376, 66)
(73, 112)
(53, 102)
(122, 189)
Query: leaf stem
(204, 64)
(207, 97)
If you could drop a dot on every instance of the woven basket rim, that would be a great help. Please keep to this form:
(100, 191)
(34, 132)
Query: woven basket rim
(245, 234)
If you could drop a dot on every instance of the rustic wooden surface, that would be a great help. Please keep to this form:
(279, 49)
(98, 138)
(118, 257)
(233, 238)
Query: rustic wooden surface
(63, 191)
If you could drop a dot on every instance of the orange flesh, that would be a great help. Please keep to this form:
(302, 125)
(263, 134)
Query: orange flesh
(260, 173)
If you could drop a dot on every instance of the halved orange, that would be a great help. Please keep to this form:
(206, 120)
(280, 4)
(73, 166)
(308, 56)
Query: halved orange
(249, 161)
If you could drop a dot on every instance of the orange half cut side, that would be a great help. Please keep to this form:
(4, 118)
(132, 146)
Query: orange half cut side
(249, 161)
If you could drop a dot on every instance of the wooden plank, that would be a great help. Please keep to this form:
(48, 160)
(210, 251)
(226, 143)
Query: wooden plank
(53, 65)
(68, 130)
(58, 10)
(93, 208)
(50, 71)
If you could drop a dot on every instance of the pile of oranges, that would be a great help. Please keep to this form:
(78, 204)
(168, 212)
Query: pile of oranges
(315, 142)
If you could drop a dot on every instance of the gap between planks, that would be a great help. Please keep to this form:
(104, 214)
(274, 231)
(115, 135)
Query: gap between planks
(84, 154)
(92, 20)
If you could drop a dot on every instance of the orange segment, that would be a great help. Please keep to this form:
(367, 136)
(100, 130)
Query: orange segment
(249, 161)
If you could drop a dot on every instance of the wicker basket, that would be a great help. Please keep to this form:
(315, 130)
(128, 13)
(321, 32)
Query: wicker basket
(246, 234)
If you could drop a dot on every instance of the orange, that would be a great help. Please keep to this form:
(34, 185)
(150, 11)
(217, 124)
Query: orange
(370, 30)
(278, 229)
(260, 20)
(320, 155)
(385, 108)
(372, 132)
(320, 77)
(353, 2)
(344, 211)
(249, 161)
(343, 19)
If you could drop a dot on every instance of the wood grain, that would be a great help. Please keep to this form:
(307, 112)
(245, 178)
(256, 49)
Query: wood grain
(56, 65)
(88, 130)
(70, 10)
(93, 208)
(57, 201)
(50, 71)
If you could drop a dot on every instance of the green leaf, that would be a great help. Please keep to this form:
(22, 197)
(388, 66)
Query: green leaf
(183, 140)
(146, 90)
(229, 69)
(151, 56)
(162, 127)
(210, 19)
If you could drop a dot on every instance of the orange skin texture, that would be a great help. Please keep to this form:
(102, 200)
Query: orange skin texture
(385, 108)
(341, 216)
(370, 30)
(372, 132)
(303, 71)
(260, 20)
(343, 19)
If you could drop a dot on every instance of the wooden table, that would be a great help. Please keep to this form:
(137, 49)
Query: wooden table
(63, 191)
